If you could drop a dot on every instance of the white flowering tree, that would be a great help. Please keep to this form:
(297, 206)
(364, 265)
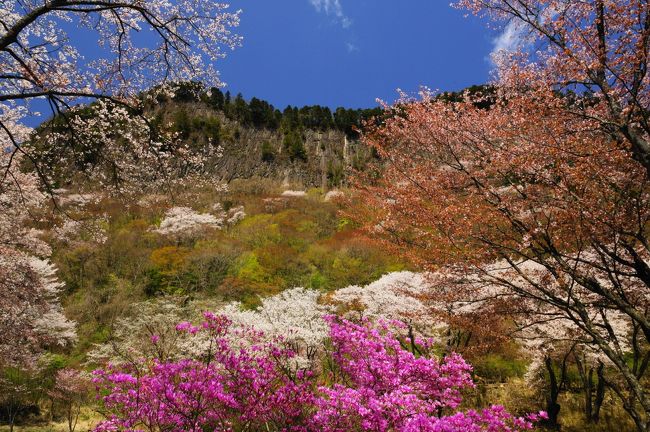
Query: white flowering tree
(120, 150)
(40, 59)
(146, 322)
(394, 296)
(184, 220)
(138, 45)
(295, 315)
(554, 337)
(30, 315)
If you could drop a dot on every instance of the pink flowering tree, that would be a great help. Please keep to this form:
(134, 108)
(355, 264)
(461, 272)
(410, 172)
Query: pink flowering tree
(367, 382)
(71, 390)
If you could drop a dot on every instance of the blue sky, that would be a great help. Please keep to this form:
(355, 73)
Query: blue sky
(351, 52)
(347, 52)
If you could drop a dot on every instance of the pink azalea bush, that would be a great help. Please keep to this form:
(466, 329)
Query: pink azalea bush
(230, 388)
(369, 382)
(380, 386)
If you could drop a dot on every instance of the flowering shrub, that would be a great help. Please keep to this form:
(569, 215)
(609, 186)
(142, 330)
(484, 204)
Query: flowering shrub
(243, 383)
(380, 386)
(185, 220)
(231, 388)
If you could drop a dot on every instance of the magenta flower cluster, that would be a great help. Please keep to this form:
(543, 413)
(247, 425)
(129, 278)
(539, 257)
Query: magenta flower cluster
(366, 381)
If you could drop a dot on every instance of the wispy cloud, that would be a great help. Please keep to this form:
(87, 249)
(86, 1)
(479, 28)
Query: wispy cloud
(351, 47)
(332, 8)
(518, 35)
(512, 38)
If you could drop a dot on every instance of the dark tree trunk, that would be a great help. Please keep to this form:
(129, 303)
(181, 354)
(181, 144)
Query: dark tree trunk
(600, 393)
(552, 407)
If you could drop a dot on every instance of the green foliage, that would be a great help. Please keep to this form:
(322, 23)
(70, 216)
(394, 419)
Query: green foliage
(209, 127)
(302, 242)
(495, 368)
(268, 152)
(335, 174)
(199, 127)
(216, 99)
(317, 280)
(249, 270)
(240, 111)
(263, 115)
(293, 143)
(260, 114)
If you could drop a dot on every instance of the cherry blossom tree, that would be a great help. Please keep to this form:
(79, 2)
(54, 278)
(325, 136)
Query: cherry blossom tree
(131, 334)
(31, 317)
(295, 314)
(184, 220)
(71, 390)
(41, 61)
(540, 212)
(537, 202)
(598, 48)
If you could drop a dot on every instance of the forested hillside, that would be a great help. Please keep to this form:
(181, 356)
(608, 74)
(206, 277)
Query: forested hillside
(175, 258)
(312, 145)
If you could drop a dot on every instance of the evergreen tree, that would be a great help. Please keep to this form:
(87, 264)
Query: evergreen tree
(217, 99)
(293, 143)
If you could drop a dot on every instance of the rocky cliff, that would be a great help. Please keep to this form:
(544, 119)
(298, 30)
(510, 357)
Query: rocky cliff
(326, 158)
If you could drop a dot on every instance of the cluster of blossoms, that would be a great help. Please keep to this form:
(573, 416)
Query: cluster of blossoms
(380, 386)
(186, 221)
(91, 230)
(180, 220)
(31, 317)
(132, 333)
(294, 194)
(242, 381)
(235, 215)
(294, 314)
(394, 296)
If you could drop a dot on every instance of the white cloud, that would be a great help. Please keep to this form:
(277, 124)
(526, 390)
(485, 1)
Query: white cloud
(518, 35)
(351, 47)
(333, 8)
(512, 38)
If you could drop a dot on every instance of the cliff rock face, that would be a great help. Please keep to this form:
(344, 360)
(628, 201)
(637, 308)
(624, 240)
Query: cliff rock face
(329, 157)
(312, 158)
